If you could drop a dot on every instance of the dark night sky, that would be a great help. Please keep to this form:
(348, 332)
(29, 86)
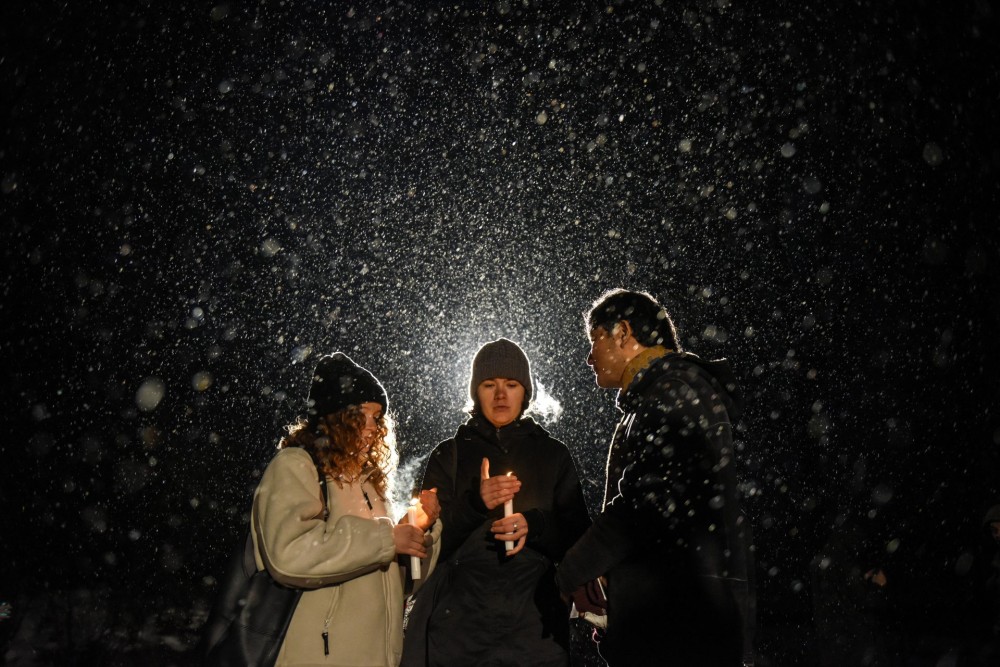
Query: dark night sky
(199, 199)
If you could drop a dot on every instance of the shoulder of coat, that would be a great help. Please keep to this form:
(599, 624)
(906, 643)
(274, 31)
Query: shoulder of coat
(292, 452)
(443, 446)
(293, 457)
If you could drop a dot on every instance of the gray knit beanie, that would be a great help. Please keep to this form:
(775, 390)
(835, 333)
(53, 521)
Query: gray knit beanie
(501, 358)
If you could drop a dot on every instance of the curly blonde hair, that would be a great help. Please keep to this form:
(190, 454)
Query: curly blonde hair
(335, 443)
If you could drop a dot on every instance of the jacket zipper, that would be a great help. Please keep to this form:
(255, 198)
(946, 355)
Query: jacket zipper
(326, 626)
(329, 612)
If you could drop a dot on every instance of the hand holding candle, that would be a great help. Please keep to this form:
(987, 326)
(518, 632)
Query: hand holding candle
(430, 508)
(513, 529)
(496, 491)
(500, 490)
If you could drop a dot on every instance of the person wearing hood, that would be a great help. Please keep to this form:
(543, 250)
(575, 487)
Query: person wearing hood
(671, 547)
(490, 603)
(344, 555)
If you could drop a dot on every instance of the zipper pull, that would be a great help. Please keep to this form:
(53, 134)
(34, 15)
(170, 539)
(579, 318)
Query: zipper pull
(326, 643)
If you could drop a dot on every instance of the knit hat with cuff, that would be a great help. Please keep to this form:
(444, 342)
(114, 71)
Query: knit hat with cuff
(501, 358)
(338, 382)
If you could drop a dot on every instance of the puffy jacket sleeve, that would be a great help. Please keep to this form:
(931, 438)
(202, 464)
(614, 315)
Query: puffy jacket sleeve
(432, 540)
(605, 544)
(296, 545)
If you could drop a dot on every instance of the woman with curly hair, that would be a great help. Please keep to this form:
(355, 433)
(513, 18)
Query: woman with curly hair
(343, 556)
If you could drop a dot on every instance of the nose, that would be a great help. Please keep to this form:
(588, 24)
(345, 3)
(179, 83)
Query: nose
(590, 359)
(501, 391)
(369, 425)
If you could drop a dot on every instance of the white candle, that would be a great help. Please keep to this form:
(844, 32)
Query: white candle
(508, 509)
(411, 515)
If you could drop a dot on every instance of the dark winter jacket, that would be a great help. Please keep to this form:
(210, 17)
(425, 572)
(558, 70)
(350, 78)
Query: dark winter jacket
(990, 593)
(483, 607)
(671, 541)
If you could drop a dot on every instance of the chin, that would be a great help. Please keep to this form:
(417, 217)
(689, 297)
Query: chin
(606, 383)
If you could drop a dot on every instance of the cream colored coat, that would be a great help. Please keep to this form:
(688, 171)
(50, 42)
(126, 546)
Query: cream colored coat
(347, 564)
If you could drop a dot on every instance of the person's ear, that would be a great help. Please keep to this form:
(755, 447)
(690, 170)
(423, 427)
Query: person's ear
(624, 332)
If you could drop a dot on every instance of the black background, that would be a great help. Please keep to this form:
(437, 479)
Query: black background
(205, 197)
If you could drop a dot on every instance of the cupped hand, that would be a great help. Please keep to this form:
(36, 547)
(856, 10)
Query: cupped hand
(495, 491)
(428, 509)
(510, 529)
(409, 540)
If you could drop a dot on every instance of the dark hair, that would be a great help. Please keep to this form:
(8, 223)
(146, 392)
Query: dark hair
(651, 323)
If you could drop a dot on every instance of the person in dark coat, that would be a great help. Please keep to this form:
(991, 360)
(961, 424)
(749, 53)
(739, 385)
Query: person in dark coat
(671, 543)
(990, 591)
(490, 604)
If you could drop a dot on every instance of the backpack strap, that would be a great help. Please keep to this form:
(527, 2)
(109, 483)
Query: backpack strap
(321, 476)
(322, 490)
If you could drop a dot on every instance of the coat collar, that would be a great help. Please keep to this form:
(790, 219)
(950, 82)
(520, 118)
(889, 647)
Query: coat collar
(640, 362)
(479, 427)
(717, 374)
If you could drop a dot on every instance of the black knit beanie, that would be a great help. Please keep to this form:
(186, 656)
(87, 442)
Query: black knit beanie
(338, 382)
(501, 358)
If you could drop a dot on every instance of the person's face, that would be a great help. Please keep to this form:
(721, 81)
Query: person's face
(606, 358)
(500, 399)
(995, 531)
(371, 411)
